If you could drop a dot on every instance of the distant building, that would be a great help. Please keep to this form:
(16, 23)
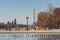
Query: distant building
(2, 25)
(15, 21)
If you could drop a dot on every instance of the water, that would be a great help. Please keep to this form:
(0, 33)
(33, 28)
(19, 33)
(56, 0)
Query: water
(30, 36)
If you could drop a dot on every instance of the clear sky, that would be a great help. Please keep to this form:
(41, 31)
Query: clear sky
(19, 9)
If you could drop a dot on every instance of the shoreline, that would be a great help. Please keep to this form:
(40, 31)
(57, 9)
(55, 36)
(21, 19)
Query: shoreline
(30, 32)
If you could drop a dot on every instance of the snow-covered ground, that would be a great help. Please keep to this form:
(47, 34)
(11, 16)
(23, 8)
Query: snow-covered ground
(32, 31)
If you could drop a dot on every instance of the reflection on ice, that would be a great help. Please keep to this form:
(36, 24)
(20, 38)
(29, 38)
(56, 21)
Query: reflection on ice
(29, 37)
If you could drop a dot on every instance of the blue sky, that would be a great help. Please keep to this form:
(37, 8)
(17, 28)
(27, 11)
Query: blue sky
(19, 9)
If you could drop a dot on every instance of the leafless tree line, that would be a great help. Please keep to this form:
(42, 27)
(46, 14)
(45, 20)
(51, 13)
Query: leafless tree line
(47, 20)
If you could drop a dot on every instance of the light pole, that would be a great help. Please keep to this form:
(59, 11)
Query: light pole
(27, 22)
